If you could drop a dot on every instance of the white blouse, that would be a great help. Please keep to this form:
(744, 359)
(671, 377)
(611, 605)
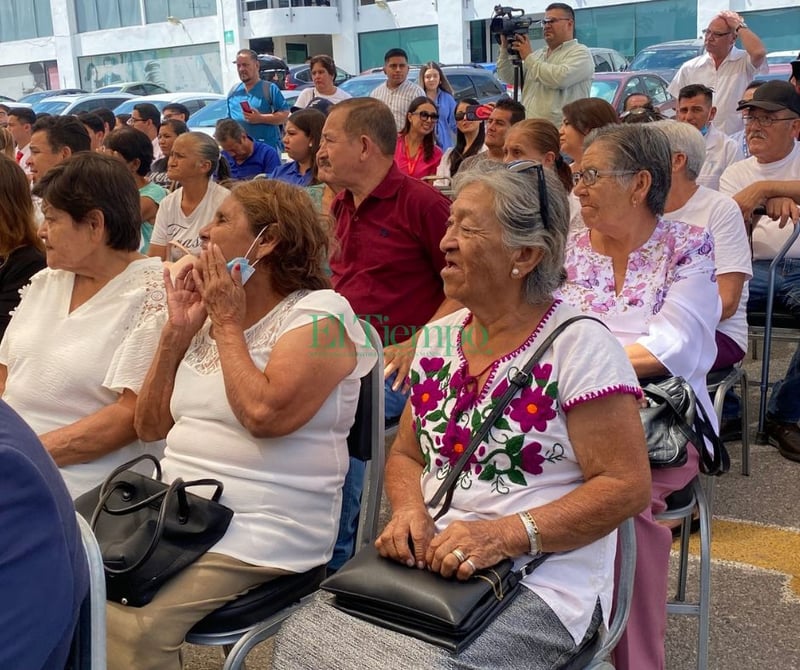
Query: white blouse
(64, 366)
(286, 492)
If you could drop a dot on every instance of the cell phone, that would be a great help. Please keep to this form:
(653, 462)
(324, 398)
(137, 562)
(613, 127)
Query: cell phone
(246, 106)
(478, 112)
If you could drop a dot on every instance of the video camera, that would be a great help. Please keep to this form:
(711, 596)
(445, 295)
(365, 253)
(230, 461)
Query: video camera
(509, 21)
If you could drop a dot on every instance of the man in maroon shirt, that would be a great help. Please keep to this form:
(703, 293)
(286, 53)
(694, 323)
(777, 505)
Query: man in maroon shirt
(387, 261)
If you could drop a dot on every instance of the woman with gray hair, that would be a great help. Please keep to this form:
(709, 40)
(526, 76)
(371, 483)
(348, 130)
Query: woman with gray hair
(547, 479)
(651, 281)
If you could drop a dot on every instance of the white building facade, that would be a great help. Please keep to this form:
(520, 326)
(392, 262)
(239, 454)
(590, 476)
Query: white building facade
(190, 44)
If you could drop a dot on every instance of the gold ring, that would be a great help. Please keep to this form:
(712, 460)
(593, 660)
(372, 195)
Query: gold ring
(460, 555)
(472, 565)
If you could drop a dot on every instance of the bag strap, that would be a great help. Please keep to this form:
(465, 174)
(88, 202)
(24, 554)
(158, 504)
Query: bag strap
(519, 380)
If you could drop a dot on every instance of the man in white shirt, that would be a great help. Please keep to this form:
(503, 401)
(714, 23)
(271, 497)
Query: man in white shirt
(555, 75)
(695, 107)
(692, 203)
(723, 67)
(20, 125)
(146, 118)
(397, 92)
(772, 120)
(740, 137)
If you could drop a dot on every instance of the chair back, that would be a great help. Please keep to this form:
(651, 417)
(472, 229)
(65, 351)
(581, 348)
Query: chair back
(89, 641)
(366, 442)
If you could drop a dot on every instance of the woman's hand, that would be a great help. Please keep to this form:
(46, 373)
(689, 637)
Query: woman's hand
(223, 294)
(414, 523)
(484, 543)
(184, 303)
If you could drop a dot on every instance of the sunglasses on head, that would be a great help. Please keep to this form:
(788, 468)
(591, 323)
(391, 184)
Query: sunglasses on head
(528, 167)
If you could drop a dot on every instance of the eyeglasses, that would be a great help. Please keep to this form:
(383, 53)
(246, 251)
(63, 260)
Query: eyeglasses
(713, 33)
(591, 175)
(133, 120)
(547, 22)
(460, 116)
(526, 167)
(764, 121)
(426, 116)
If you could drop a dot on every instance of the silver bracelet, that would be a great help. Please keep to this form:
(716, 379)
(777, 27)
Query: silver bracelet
(532, 530)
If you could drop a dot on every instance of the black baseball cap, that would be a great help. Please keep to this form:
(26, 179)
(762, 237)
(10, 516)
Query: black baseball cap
(773, 96)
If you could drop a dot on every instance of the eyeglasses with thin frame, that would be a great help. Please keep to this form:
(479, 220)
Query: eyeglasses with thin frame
(764, 121)
(133, 120)
(589, 176)
(707, 32)
(526, 167)
(426, 116)
(551, 21)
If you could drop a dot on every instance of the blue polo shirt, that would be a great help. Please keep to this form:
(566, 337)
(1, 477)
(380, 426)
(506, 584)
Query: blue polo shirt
(263, 160)
(266, 98)
(290, 173)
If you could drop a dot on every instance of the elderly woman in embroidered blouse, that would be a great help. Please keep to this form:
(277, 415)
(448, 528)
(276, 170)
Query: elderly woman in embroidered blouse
(79, 344)
(255, 384)
(550, 457)
(652, 282)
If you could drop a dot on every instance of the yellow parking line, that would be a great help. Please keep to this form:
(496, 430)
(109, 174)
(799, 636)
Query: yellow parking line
(759, 545)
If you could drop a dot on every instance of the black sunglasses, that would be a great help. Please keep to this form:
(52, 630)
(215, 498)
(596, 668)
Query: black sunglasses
(527, 167)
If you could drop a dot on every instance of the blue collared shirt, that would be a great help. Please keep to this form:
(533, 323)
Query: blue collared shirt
(263, 160)
(290, 173)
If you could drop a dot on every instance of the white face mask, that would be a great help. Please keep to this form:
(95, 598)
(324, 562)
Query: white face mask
(245, 268)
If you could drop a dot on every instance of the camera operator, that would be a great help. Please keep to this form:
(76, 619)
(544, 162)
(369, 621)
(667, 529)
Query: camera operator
(554, 75)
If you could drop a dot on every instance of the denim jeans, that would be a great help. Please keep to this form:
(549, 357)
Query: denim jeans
(354, 485)
(784, 402)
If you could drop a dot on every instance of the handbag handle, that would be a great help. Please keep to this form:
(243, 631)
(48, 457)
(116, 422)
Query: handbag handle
(519, 380)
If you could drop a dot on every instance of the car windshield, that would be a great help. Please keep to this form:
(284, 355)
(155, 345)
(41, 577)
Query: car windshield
(127, 106)
(361, 87)
(50, 106)
(662, 59)
(33, 98)
(604, 89)
(209, 115)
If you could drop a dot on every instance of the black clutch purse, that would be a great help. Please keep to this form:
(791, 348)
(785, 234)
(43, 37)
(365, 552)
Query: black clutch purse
(148, 530)
(423, 604)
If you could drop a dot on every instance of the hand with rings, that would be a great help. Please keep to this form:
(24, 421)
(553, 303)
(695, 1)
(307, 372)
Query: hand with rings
(464, 547)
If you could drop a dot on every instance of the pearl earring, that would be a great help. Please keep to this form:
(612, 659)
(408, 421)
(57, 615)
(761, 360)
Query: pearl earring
(515, 272)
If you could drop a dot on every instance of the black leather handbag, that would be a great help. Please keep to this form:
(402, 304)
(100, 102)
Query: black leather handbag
(445, 612)
(148, 530)
(674, 418)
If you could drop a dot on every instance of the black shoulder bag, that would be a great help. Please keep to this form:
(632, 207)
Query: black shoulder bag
(148, 530)
(445, 612)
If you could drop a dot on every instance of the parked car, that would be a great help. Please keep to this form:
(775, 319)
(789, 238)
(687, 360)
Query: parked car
(781, 57)
(193, 101)
(74, 104)
(614, 87)
(33, 98)
(608, 60)
(665, 59)
(299, 77)
(134, 88)
(206, 119)
(5, 98)
(776, 71)
(272, 68)
(468, 81)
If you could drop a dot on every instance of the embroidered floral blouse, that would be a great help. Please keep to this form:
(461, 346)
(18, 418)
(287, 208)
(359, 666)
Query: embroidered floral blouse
(527, 458)
(669, 302)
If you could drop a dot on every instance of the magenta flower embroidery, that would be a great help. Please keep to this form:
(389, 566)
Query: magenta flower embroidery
(426, 396)
(456, 440)
(430, 365)
(531, 458)
(533, 409)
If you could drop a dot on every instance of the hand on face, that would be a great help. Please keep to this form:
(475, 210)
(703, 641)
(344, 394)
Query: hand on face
(223, 294)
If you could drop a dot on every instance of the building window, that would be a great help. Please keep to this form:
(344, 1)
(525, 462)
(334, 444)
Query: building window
(157, 11)
(190, 68)
(778, 28)
(23, 19)
(421, 45)
(105, 14)
(630, 28)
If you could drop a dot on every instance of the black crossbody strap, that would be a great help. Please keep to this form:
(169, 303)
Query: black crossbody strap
(520, 379)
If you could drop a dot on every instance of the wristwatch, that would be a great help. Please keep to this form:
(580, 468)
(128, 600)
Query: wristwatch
(740, 26)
